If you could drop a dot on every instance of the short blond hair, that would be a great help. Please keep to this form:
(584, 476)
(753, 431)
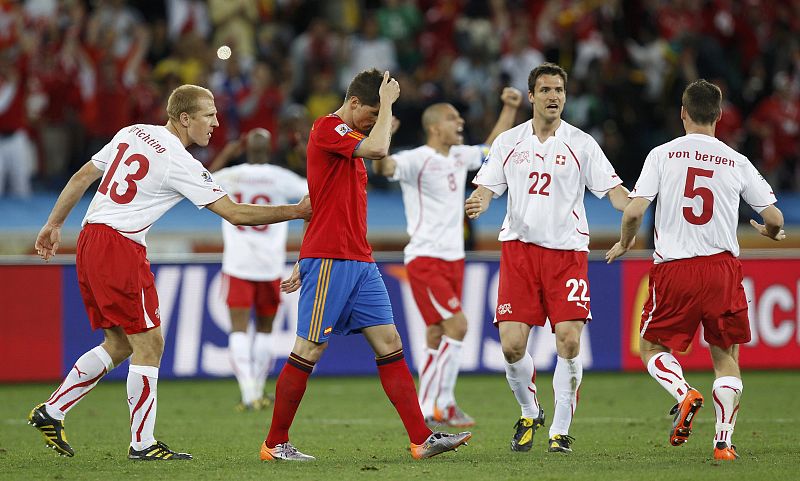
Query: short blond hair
(184, 99)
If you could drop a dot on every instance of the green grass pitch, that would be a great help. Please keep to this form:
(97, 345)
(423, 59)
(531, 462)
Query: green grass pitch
(621, 428)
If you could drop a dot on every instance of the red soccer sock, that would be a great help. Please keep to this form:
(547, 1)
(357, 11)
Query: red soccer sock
(289, 390)
(399, 387)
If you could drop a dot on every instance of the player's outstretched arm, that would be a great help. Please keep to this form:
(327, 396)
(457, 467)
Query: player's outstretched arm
(49, 237)
(478, 202)
(773, 224)
(384, 166)
(252, 214)
(631, 220)
(512, 99)
(376, 145)
(618, 196)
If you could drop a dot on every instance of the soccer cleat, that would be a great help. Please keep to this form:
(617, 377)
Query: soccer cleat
(561, 443)
(723, 452)
(52, 429)
(438, 443)
(283, 451)
(453, 416)
(156, 452)
(264, 402)
(525, 429)
(684, 413)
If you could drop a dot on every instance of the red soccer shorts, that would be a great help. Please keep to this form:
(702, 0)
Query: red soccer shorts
(537, 283)
(686, 292)
(244, 294)
(436, 285)
(115, 280)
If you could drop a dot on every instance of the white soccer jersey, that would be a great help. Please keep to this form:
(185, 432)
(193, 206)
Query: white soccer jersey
(147, 171)
(433, 195)
(257, 253)
(698, 181)
(545, 183)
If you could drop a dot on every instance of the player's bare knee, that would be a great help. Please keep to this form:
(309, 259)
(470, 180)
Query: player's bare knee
(455, 327)
(568, 347)
(513, 352)
(433, 335)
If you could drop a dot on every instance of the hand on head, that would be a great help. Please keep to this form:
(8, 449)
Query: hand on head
(389, 90)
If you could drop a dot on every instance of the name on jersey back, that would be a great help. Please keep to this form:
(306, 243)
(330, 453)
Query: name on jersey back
(701, 157)
(152, 142)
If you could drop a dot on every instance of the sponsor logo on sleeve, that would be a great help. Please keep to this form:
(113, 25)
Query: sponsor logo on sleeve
(342, 129)
(206, 175)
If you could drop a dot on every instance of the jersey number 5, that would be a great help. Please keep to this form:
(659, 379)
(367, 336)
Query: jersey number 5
(143, 166)
(690, 192)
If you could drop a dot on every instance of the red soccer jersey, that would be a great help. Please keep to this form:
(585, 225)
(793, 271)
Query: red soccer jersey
(337, 184)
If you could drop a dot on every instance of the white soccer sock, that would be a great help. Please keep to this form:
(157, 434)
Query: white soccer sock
(520, 376)
(726, 393)
(451, 364)
(263, 359)
(239, 347)
(427, 387)
(142, 404)
(566, 381)
(668, 372)
(84, 375)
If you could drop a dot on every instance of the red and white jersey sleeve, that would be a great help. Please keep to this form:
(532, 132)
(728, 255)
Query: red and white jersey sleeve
(433, 196)
(146, 172)
(257, 253)
(546, 183)
(698, 180)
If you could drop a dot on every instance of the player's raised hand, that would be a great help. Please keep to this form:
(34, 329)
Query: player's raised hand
(762, 229)
(47, 241)
(389, 90)
(293, 282)
(511, 97)
(476, 204)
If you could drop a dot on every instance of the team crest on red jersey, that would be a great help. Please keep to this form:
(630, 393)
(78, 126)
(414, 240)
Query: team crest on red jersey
(342, 129)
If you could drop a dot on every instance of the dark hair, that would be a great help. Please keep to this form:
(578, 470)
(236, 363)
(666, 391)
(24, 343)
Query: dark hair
(702, 101)
(546, 68)
(365, 86)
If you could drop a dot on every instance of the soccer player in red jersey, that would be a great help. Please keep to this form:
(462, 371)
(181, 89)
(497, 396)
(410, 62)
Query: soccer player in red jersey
(696, 276)
(341, 290)
(145, 171)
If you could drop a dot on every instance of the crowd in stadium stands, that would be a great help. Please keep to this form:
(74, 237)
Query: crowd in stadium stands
(73, 72)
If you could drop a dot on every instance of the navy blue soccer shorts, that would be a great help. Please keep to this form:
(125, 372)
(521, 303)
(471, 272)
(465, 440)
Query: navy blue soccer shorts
(340, 297)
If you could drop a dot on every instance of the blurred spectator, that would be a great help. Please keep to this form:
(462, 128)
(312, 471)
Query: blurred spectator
(16, 151)
(187, 16)
(295, 125)
(234, 25)
(399, 21)
(259, 103)
(323, 98)
(366, 50)
(314, 50)
(776, 123)
(520, 60)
